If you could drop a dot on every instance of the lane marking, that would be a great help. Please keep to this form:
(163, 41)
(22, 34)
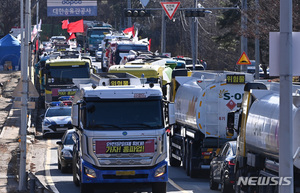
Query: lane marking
(177, 186)
(49, 179)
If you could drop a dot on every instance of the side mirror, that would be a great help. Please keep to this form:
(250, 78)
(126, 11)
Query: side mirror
(75, 115)
(171, 113)
(59, 143)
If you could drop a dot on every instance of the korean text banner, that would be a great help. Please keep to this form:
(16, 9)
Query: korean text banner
(71, 8)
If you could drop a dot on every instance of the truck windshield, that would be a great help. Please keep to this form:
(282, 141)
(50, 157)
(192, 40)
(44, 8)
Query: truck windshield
(97, 32)
(127, 48)
(64, 74)
(116, 115)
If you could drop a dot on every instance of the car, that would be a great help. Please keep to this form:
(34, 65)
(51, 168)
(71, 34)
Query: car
(99, 54)
(65, 151)
(57, 119)
(222, 168)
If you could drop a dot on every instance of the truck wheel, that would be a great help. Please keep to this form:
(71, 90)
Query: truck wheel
(159, 187)
(75, 170)
(173, 162)
(86, 188)
(212, 184)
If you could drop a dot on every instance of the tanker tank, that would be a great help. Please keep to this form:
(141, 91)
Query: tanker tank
(262, 133)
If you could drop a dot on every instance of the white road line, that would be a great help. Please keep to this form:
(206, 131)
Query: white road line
(47, 168)
(178, 187)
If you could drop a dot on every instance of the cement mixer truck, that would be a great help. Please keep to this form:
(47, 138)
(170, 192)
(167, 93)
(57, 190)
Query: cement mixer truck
(257, 125)
(198, 116)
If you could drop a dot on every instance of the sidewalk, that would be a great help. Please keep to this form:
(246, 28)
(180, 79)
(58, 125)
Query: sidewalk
(10, 120)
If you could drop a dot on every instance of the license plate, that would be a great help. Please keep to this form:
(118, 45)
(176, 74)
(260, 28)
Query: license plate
(125, 173)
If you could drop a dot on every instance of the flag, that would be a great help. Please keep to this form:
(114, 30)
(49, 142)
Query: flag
(76, 26)
(65, 24)
(149, 45)
(72, 36)
(129, 30)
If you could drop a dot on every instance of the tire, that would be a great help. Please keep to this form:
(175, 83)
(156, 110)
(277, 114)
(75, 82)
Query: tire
(58, 164)
(212, 184)
(75, 170)
(86, 188)
(159, 187)
(225, 188)
(173, 162)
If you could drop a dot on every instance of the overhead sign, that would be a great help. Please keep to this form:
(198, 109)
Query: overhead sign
(244, 60)
(71, 8)
(32, 92)
(144, 2)
(170, 8)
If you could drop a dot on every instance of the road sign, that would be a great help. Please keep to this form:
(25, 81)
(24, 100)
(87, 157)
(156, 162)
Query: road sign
(244, 60)
(32, 92)
(144, 2)
(170, 8)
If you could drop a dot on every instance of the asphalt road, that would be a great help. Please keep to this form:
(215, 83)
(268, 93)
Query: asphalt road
(178, 181)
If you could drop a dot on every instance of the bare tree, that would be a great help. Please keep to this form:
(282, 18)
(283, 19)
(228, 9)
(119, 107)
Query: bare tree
(9, 15)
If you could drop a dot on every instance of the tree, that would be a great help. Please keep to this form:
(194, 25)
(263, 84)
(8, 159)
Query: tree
(9, 16)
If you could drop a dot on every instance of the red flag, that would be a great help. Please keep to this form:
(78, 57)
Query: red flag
(149, 45)
(76, 26)
(72, 36)
(129, 30)
(65, 24)
(37, 45)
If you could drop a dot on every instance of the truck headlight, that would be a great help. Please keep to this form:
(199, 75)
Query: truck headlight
(160, 171)
(90, 172)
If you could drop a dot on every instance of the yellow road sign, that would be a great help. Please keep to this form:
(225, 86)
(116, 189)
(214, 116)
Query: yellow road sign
(244, 60)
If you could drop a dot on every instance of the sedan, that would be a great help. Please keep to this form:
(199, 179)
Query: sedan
(99, 55)
(222, 168)
(65, 151)
(57, 120)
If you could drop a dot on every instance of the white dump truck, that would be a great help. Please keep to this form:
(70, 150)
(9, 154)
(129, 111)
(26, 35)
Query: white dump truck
(120, 133)
(257, 125)
(198, 116)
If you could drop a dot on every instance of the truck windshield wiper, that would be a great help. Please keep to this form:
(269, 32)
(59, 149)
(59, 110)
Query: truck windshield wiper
(105, 126)
(141, 124)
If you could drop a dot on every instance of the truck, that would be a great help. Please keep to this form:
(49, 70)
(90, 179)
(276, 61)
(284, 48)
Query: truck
(120, 133)
(94, 32)
(257, 124)
(57, 74)
(198, 116)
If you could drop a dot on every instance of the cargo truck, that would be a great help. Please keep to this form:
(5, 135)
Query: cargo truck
(199, 119)
(257, 125)
(120, 133)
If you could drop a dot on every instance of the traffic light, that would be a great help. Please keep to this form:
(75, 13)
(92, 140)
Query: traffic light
(195, 13)
(137, 13)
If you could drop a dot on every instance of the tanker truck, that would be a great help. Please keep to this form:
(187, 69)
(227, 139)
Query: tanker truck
(257, 124)
(198, 116)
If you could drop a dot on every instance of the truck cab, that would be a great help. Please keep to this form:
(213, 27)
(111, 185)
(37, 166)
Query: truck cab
(120, 133)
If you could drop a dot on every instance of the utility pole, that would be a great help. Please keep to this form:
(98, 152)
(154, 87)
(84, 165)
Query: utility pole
(24, 99)
(194, 38)
(244, 40)
(163, 31)
(257, 55)
(129, 18)
(285, 114)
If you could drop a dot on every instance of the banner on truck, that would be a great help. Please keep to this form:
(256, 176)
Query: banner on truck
(58, 8)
